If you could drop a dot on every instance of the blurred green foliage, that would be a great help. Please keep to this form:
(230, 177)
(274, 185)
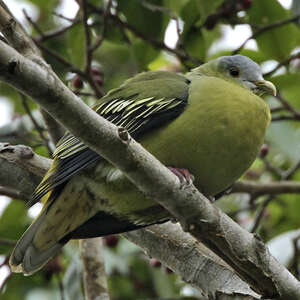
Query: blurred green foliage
(131, 39)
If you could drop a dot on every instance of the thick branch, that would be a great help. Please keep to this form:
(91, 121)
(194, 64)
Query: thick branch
(18, 179)
(190, 259)
(10, 192)
(241, 250)
(95, 285)
(24, 156)
(16, 35)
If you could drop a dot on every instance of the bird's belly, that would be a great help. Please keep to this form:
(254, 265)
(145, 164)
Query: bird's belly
(217, 145)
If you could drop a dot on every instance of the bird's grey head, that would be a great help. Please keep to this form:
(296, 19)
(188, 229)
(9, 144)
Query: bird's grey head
(246, 72)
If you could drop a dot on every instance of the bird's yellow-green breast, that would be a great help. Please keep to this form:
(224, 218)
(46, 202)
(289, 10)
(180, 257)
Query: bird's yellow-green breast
(218, 136)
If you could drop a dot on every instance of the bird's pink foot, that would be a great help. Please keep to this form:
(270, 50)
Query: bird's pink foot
(184, 176)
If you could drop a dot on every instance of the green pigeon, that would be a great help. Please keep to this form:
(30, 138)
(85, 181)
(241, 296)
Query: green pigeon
(210, 123)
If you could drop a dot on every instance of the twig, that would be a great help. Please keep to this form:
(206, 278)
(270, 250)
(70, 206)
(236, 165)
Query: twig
(268, 188)
(283, 63)
(10, 192)
(63, 17)
(44, 36)
(7, 242)
(250, 207)
(89, 50)
(157, 44)
(263, 29)
(285, 118)
(72, 68)
(287, 105)
(36, 125)
(60, 286)
(260, 213)
(28, 18)
(286, 184)
(55, 130)
(277, 109)
(100, 39)
(291, 171)
(276, 171)
(79, 93)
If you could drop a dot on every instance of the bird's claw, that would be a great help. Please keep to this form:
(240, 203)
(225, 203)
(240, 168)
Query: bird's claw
(184, 176)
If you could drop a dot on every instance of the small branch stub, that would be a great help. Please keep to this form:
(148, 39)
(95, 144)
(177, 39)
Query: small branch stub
(17, 152)
(124, 135)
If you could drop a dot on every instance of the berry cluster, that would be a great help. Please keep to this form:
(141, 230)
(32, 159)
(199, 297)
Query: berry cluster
(226, 11)
(111, 241)
(97, 75)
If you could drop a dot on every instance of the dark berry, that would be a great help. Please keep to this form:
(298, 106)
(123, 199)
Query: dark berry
(111, 241)
(155, 263)
(77, 82)
(264, 150)
(228, 10)
(54, 266)
(211, 21)
(246, 4)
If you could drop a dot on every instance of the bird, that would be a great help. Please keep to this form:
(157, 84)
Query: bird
(206, 125)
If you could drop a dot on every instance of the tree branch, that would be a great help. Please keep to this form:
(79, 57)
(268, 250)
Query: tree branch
(10, 192)
(95, 285)
(266, 28)
(18, 38)
(18, 179)
(271, 188)
(190, 259)
(16, 35)
(283, 63)
(24, 156)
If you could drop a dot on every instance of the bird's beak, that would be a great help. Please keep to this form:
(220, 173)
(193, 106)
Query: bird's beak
(266, 87)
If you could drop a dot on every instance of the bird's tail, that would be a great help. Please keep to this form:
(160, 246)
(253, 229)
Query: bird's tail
(26, 257)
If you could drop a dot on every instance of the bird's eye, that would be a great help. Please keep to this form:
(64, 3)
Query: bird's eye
(234, 72)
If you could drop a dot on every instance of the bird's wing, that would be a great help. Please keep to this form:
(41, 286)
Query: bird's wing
(145, 102)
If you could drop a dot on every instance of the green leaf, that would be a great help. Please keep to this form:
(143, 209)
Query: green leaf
(190, 15)
(144, 54)
(151, 23)
(76, 45)
(277, 43)
(176, 5)
(13, 222)
(206, 8)
(118, 63)
(288, 84)
(48, 5)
